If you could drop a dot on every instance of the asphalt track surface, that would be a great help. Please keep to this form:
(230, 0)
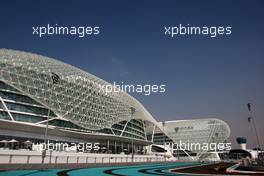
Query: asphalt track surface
(139, 170)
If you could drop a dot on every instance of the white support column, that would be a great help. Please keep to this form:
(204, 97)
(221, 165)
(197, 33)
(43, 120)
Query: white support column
(124, 128)
(115, 147)
(44, 121)
(108, 146)
(153, 132)
(144, 123)
(112, 131)
(7, 110)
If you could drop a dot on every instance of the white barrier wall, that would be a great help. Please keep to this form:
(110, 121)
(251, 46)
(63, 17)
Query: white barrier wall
(31, 157)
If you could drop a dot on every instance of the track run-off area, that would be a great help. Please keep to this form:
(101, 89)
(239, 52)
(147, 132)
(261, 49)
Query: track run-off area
(138, 170)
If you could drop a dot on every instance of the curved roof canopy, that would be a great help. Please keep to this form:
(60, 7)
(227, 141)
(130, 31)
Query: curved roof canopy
(71, 93)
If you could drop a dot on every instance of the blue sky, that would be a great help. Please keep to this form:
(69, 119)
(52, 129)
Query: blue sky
(205, 77)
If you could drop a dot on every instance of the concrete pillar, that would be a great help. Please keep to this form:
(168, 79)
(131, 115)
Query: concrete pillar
(107, 146)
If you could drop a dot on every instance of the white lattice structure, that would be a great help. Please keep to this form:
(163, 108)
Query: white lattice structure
(70, 93)
(197, 131)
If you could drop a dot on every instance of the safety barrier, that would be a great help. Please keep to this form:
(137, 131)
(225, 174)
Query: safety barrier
(55, 159)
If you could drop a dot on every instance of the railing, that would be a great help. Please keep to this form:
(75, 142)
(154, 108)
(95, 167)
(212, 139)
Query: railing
(50, 159)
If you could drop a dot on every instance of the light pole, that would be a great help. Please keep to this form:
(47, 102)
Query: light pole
(164, 141)
(55, 79)
(47, 126)
(133, 110)
(132, 144)
(251, 119)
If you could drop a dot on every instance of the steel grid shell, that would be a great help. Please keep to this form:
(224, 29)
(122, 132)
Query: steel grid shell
(200, 131)
(75, 95)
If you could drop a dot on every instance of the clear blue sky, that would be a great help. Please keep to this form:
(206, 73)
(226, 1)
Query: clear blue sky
(204, 77)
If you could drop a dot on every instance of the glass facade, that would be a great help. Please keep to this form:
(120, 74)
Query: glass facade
(24, 109)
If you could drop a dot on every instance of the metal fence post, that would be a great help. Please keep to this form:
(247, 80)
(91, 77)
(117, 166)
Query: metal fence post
(28, 157)
(56, 158)
(67, 160)
(50, 159)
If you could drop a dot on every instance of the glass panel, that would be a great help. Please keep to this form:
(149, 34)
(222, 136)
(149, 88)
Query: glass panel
(1, 106)
(27, 108)
(27, 118)
(7, 87)
(4, 115)
(16, 97)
